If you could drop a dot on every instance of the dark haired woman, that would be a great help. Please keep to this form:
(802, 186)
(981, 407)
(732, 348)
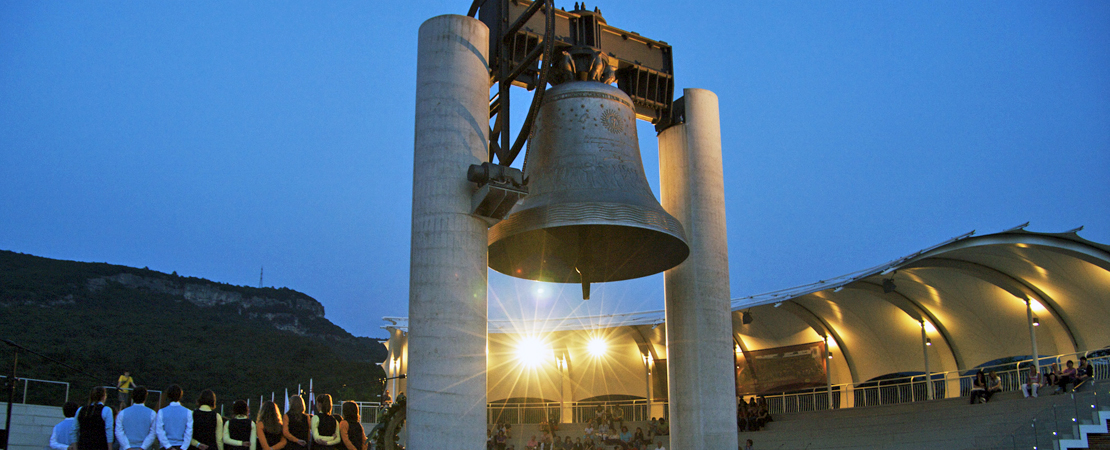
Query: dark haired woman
(978, 388)
(350, 429)
(95, 422)
(239, 433)
(295, 423)
(208, 426)
(325, 429)
(268, 428)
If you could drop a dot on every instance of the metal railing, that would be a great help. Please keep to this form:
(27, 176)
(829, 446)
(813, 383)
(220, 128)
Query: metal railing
(36, 398)
(633, 410)
(950, 384)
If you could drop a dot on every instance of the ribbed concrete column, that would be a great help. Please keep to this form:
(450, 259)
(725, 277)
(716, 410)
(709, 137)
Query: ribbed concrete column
(447, 284)
(699, 321)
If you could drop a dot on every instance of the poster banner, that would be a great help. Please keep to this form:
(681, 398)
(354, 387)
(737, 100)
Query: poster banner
(782, 369)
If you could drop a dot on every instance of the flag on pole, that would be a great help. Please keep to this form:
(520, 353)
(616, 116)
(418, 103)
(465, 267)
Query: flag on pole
(311, 396)
(286, 400)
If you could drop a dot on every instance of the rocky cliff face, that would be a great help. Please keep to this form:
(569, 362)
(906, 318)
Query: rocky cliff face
(293, 312)
(27, 280)
(210, 294)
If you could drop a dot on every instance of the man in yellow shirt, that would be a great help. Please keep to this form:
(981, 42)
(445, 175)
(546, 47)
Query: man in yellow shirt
(124, 385)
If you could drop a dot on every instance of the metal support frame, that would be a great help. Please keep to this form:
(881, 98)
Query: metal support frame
(521, 53)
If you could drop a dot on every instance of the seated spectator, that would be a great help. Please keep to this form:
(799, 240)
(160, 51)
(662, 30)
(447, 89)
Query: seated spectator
(532, 444)
(763, 415)
(603, 431)
(638, 438)
(764, 410)
(978, 387)
(501, 440)
(588, 432)
(1031, 383)
(577, 444)
(653, 429)
(742, 416)
(588, 444)
(994, 385)
(1084, 372)
(1066, 376)
(664, 430)
(626, 436)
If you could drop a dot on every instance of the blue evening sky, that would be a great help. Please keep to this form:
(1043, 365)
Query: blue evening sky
(214, 138)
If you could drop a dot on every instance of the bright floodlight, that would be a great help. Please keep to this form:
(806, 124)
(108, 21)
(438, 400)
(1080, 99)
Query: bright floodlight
(597, 347)
(530, 351)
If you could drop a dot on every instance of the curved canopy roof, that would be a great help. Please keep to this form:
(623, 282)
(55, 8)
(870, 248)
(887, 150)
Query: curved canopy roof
(974, 297)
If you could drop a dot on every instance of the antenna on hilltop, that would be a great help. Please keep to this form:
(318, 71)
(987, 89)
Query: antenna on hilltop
(260, 272)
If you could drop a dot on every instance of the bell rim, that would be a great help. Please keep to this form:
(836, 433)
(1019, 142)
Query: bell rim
(586, 213)
(677, 251)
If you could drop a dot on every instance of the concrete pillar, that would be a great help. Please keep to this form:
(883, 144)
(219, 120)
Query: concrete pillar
(447, 280)
(1032, 333)
(702, 386)
(928, 374)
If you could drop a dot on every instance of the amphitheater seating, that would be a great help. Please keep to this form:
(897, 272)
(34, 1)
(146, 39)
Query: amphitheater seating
(1004, 423)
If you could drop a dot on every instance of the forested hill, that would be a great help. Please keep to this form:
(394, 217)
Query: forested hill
(240, 341)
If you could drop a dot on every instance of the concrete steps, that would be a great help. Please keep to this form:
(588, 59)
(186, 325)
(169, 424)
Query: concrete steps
(948, 424)
(31, 425)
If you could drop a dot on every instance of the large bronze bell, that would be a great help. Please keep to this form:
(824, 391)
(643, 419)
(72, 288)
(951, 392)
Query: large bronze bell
(590, 215)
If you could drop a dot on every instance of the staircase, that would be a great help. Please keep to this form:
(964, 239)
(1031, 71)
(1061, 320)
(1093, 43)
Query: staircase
(1007, 422)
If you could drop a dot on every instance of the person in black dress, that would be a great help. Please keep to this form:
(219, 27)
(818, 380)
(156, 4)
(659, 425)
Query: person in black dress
(295, 425)
(268, 428)
(95, 423)
(350, 429)
(239, 433)
(208, 426)
(325, 429)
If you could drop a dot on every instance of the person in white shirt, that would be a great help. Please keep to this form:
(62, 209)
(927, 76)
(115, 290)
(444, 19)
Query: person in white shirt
(62, 438)
(135, 425)
(174, 423)
(1032, 383)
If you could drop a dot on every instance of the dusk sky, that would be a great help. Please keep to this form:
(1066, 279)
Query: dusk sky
(215, 138)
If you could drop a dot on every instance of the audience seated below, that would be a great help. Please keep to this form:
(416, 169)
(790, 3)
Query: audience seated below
(753, 415)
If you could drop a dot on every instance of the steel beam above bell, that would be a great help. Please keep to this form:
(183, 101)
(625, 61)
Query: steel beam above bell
(590, 215)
